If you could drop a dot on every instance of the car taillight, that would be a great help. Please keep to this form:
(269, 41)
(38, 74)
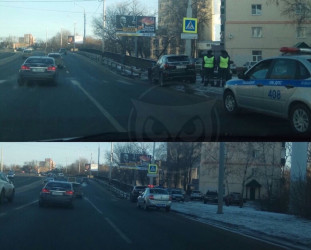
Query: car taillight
(69, 192)
(51, 68)
(45, 190)
(167, 66)
(151, 197)
(24, 67)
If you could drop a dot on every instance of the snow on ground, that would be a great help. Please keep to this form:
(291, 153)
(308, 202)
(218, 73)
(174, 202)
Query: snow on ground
(249, 220)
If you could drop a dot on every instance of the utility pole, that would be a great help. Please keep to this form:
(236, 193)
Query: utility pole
(151, 177)
(111, 158)
(74, 38)
(61, 37)
(84, 32)
(221, 177)
(104, 24)
(79, 164)
(188, 41)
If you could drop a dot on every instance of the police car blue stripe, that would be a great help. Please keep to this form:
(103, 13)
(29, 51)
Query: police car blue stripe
(270, 82)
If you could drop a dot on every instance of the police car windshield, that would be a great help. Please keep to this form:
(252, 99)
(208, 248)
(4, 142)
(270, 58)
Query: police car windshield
(177, 58)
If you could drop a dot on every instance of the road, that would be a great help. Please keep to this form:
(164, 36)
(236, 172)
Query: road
(90, 100)
(102, 221)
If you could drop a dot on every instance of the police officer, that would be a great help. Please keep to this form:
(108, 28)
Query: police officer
(208, 67)
(224, 61)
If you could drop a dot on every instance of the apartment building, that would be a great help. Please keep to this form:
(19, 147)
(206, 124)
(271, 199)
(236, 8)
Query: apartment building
(254, 167)
(252, 30)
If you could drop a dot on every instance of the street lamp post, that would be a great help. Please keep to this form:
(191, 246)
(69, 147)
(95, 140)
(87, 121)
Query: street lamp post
(104, 24)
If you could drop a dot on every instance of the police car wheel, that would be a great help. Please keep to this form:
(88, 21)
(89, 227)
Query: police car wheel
(300, 119)
(230, 103)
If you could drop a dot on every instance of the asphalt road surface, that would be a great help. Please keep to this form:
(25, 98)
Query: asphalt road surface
(90, 102)
(101, 221)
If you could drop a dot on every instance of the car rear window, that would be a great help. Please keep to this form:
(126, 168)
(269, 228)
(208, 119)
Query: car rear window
(40, 60)
(176, 192)
(58, 184)
(54, 55)
(178, 58)
(158, 191)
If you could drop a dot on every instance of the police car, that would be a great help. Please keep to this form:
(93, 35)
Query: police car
(278, 86)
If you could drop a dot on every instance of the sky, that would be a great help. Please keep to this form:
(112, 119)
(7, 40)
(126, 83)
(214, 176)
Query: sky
(43, 18)
(61, 152)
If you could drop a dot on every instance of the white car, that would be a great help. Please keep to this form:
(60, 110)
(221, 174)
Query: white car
(196, 195)
(279, 86)
(155, 197)
(7, 189)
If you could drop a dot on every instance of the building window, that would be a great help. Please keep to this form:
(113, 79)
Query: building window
(256, 9)
(257, 32)
(257, 55)
(301, 32)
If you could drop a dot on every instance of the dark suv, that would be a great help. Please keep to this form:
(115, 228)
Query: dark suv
(210, 196)
(173, 67)
(137, 190)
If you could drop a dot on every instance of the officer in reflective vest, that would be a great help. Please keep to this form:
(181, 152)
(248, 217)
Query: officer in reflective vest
(224, 61)
(208, 67)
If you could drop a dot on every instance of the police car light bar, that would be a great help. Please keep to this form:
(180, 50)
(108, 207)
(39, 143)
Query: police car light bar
(295, 50)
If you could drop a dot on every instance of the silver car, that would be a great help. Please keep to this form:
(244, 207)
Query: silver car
(58, 59)
(7, 189)
(278, 86)
(154, 197)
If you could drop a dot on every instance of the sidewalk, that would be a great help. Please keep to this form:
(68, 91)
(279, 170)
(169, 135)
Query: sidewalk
(284, 229)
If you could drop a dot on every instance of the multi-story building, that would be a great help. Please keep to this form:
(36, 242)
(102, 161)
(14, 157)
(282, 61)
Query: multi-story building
(253, 30)
(254, 168)
(29, 39)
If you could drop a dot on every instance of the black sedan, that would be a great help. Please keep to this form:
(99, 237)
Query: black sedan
(38, 68)
(173, 67)
(57, 192)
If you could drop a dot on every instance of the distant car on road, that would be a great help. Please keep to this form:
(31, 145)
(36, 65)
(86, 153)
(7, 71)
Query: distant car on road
(63, 51)
(38, 68)
(57, 192)
(156, 198)
(7, 189)
(48, 179)
(58, 59)
(173, 67)
(77, 187)
(27, 53)
(196, 195)
(11, 174)
(137, 190)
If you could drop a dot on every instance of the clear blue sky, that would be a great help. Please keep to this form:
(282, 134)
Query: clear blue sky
(60, 152)
(19, 17)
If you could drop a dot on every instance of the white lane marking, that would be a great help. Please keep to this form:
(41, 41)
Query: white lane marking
(2, 81)
(123, 236)
(124, 82)
(114, 122)
(2, 214)
(92, 204)
(26, 205)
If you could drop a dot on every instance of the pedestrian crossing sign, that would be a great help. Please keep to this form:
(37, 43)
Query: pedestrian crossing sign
(152, 169)
(190, 25)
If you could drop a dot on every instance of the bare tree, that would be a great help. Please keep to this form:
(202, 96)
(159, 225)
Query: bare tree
(298, 10)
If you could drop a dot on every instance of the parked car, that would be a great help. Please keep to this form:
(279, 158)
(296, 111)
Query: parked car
(233, 199)
(210, 196)
(7, 189)
(77, 187)
(156, 198)
(173, 67)
(57, 192)
(137, 190)
(196, 195)
(177, 195)
(58, 59)
(276, 86)
(38, 68)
